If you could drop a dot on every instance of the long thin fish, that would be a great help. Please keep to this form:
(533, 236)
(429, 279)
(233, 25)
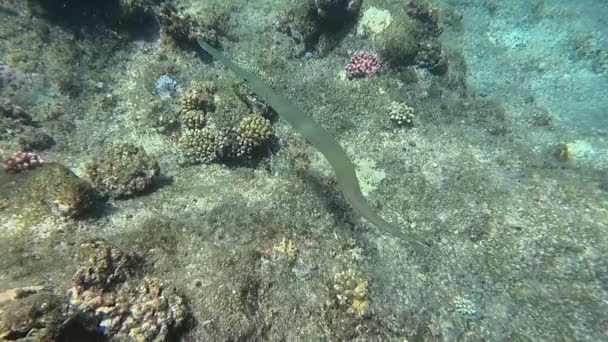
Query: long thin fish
(320, 138)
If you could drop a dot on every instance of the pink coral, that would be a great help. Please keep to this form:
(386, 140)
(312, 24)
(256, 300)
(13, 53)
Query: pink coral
(363, 63)
(21, 160)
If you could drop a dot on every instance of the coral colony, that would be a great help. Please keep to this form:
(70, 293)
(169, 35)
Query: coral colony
(166, 86)
(363, 64)
(20, 161)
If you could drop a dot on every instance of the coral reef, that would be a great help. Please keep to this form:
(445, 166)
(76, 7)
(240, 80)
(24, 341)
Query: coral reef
(255, 104)
(398, 43)
(234, 101)
(134, 10)
(162, 117)
(174, 27)
(122, 170)
(464, 306)
(298, 159)
(61, 191)
(266, 246)
(193, 119)
(16, 123)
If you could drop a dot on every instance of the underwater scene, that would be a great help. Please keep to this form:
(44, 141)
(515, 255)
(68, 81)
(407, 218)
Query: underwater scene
(303, 170)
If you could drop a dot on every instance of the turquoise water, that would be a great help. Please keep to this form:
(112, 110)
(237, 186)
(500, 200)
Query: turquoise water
(153, 192)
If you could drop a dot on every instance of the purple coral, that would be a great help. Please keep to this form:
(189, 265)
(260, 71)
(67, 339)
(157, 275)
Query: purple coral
(363, 63)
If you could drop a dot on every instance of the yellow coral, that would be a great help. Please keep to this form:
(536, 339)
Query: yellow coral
(565, 152)
(254, 130)
(285, 247)
(374, 21)
(358, 307)
(351, 289)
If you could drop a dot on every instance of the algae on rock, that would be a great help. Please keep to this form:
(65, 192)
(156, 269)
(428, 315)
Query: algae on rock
(122, 170)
